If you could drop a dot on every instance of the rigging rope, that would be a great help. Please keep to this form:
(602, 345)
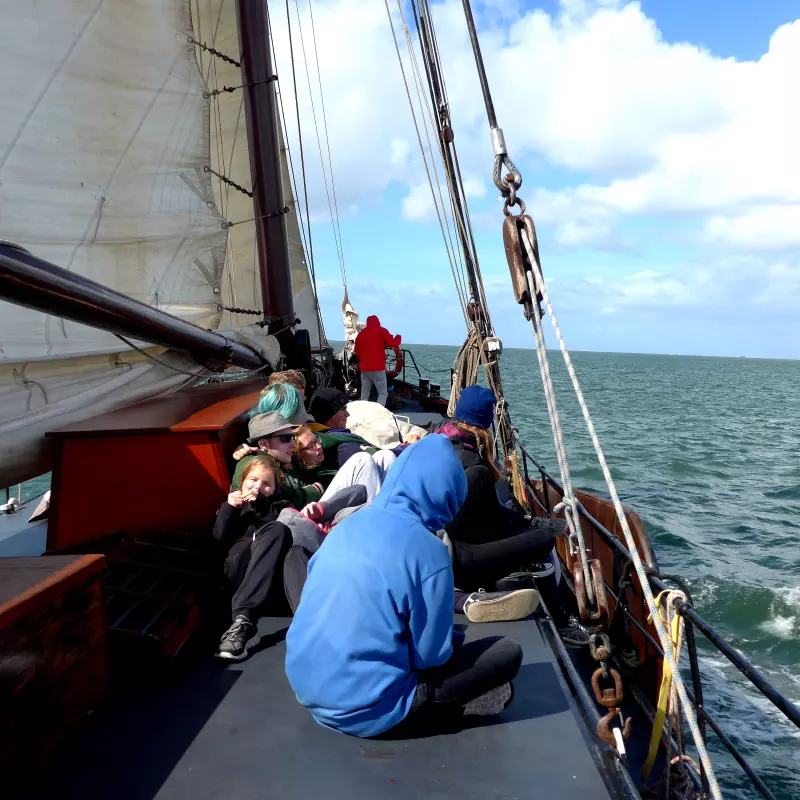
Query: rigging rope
(432, 121)
(333, 216)
(569, 502)
(204, 373)
(438, 90)
(327, 140)
(668, 700)
(639, 566)
(309, 248)
(424, 156)
(211, 80)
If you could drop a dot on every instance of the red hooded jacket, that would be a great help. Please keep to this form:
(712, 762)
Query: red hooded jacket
(371, 346)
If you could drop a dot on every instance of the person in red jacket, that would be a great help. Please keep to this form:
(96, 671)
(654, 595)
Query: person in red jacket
(370, 349)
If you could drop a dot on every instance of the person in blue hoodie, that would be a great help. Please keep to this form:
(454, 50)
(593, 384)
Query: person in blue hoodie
(372, 648)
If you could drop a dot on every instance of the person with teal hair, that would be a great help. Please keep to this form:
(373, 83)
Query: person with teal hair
(284, 399)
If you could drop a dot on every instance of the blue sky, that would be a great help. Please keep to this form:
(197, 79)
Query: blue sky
(657, 142)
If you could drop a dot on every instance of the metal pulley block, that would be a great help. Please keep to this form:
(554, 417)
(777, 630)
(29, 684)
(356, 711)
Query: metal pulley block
(518, 263)
(587, 612)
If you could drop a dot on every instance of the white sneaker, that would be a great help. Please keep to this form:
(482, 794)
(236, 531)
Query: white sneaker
(501, 606)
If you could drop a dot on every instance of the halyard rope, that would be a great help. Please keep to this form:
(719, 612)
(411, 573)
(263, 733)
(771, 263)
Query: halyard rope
(569, 503)
(663, 636)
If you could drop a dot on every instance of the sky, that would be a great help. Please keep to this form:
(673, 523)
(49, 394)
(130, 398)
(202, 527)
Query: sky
(658, 144)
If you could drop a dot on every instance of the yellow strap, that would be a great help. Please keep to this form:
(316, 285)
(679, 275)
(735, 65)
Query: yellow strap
(663, 694)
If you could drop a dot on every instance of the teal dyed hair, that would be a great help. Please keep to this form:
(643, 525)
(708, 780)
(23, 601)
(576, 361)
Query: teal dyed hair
(284, 399)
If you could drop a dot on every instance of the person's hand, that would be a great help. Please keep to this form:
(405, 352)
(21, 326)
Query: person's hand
(243, 450)
(250, 497)
(313, 511)
(236, 499)
(414, 437)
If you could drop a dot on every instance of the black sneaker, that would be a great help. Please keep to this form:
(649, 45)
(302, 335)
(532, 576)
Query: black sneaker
(501, 606)
(575, 634)
(233, 645)
(495, 701)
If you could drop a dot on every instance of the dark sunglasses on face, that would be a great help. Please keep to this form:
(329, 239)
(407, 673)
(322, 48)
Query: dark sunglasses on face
(283, 438)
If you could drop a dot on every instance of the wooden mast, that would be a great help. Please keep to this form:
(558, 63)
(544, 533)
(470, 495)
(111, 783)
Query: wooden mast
(263, 134)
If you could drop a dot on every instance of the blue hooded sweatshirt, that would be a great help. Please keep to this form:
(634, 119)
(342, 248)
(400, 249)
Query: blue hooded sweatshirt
(378, 604)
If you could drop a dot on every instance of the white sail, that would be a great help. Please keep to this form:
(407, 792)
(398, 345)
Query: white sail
(352, 327)
(215, 26)
(110, 121)
(306, 306)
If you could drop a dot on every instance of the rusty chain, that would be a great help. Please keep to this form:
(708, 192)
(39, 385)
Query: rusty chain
(609, 696)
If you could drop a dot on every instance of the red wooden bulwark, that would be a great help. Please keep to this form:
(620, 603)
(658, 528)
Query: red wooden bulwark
(160, 464)
(52, 658)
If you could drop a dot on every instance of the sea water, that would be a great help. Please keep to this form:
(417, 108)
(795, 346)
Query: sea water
(707, 450)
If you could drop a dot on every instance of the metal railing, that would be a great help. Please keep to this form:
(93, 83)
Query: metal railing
(406, 354)
(694, 623)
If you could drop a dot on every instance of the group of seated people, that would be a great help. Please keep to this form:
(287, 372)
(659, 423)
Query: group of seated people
(372, 550)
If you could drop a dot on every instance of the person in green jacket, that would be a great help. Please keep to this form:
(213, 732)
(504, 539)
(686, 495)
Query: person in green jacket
(272, 434)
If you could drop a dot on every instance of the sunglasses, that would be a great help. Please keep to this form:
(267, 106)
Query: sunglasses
(283, 438)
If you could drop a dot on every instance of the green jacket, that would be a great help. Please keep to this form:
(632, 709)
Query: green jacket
(339, 445)
(294, 489)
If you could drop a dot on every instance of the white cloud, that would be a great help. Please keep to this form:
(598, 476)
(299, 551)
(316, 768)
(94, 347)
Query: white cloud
(597, 234)
(474, 187)
(593, 88)
(763, 228)
(648, 127)
(418, 204)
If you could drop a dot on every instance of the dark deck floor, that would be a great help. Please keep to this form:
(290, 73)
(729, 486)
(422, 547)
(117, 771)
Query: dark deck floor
(237, 732)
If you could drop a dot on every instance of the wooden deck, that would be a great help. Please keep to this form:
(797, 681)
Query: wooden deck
(237, 732)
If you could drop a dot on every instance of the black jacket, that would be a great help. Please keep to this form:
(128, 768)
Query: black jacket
(236, 524)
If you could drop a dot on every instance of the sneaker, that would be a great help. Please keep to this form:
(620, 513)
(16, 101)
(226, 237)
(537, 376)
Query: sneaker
(233, 645)
(575, 634)
(558, 527)
(501, 606)
(493, 702)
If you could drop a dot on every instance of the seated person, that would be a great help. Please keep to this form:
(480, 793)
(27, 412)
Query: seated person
(255, 544)
(329, 409)
(372, 648)
(271, 433)
(483, 518)
(359, 468)
(475, 566)
(291, 376)
(284, 398)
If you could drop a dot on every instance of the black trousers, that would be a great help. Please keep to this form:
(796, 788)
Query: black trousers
(482, 517)
(477, 566)
(472, 670)
(255, 568)
(295, 572)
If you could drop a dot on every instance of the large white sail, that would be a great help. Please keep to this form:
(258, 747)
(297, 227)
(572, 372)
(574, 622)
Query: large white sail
(110, 119)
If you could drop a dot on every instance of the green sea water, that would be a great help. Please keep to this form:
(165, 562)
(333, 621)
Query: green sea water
(707, 450)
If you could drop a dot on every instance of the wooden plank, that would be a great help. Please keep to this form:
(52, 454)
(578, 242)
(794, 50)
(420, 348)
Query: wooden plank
(28, 583)
(53, 662)
(202, 408)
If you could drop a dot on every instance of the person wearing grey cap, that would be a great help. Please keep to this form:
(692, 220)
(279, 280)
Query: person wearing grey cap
(272, 434)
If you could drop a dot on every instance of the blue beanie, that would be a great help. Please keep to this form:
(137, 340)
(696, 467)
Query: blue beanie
(475, 406)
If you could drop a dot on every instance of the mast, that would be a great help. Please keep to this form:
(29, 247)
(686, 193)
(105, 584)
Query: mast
(261, 114)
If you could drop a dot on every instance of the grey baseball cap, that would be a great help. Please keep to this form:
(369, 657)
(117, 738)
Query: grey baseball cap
(264, 425)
